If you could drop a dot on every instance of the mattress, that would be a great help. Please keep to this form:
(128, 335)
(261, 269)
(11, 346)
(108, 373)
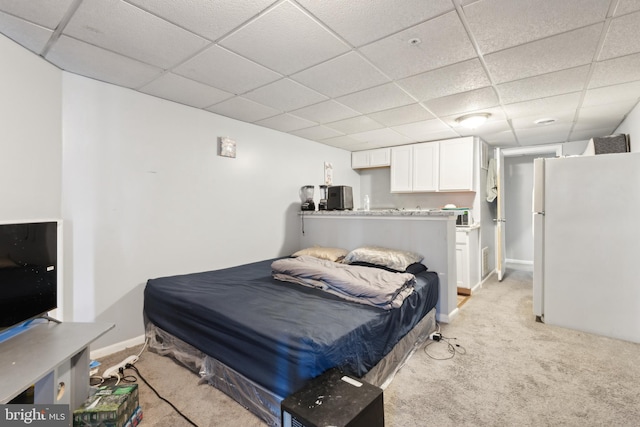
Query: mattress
(277, 334)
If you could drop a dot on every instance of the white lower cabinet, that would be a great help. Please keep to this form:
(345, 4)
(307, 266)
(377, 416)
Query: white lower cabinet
(467, 259)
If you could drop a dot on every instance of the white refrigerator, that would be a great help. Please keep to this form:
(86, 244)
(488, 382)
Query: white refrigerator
(586, 225)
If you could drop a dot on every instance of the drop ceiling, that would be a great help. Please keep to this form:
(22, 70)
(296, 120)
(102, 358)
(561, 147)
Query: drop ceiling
(358, 74)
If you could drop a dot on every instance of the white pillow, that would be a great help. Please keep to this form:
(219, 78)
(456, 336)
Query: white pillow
(392, 258)
(331, 254)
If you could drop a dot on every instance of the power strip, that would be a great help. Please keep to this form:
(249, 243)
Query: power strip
(114, 371)
(436, 336)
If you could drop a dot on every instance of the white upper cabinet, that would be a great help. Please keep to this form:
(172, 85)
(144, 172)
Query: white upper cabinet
(433, 166)
(377, 158)
(402, 168)
(456, 165)
(425, 166)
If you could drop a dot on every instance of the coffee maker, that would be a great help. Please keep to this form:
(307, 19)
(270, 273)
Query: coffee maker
(306, 197)
(322, 204)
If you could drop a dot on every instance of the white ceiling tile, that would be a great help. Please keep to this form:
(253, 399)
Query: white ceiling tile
(29, 35)
(128, 30)
(500, 24)
(427, 130)
(226, 70)
(209, 19)
(551, 54)
(544, 106)
(621, 38)
(488, 129)
(504, 138)
(345, 74)
(588, 133)
(626, 92)
(295, 41)
(603, 115)
(45, 13)
(185, 91)
(463, 102)
(285, 123)
(317, 133)
(528, 122)
(537, 54)
(325, 112)
(550, 134)
(91, 61)
(556, 83)
(379, 98)
(381, 136)
(460, 77)
(626, 6)
(443, 41)
(243, 109)
(401, 115)
(355, 125)
(341, 142)
(614, 71)
(363, 21)
(371, 145)
(285, 95)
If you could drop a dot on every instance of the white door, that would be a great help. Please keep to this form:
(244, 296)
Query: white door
(501, 258)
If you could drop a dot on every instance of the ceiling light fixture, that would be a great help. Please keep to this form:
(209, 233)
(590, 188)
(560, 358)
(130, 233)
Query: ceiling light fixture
(545, 121)
(473, 121)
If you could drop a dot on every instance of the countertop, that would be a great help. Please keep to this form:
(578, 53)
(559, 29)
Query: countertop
(383, 212)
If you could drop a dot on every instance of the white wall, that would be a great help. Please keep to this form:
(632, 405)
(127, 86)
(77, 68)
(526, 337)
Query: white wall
(146, 195)
(139, 186)
(31, 135)
(631, 126)
(376, 183)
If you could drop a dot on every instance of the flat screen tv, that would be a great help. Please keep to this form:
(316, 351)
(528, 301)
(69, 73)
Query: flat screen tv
(28, 271)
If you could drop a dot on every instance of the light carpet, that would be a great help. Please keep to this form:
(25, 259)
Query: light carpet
(508, 370)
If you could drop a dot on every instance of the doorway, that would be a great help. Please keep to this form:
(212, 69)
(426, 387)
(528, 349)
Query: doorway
(514, 228)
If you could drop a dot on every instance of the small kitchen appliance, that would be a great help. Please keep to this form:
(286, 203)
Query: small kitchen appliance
(322, 204)
(340, 198)
(306, 196)
(463, 215)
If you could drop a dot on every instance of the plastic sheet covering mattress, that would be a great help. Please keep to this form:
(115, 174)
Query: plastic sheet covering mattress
(256, 399)
(278, 335)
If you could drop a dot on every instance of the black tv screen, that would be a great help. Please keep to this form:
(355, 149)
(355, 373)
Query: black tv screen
(28, 271)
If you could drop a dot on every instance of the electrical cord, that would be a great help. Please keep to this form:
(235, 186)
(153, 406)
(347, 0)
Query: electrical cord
(130, 366)
(452, 348)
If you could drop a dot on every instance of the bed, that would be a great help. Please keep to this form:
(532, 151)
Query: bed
(259, 339)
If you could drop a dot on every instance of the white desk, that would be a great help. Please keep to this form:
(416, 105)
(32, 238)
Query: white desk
(48, 355)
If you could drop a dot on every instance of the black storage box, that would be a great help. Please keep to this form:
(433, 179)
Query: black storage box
(339, 197)
(334, 399)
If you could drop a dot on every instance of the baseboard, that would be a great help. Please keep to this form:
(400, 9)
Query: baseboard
(519, 264)
(114, 348)
(447, 318)
(488, 276)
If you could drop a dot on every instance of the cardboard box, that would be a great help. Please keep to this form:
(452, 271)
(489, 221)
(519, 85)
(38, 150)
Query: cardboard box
(109, 406)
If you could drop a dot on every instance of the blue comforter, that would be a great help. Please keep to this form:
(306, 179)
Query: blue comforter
(279, 334)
